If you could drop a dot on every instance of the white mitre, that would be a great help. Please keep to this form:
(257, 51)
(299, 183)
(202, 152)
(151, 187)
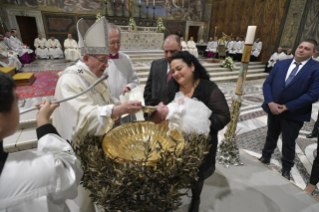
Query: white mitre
(94, 39)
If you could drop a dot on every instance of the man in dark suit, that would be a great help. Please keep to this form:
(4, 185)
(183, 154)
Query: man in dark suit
(160, 71)
(289, 91)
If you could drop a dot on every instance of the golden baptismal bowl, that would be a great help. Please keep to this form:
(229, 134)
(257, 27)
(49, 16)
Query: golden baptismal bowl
(127, 142)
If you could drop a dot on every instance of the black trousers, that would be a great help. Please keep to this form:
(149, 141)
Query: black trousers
(315, 127)
(290, 130)
(253, 58)
(314, 177)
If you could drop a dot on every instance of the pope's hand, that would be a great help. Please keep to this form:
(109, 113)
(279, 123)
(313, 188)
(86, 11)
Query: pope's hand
(45, 112)
(130, 107)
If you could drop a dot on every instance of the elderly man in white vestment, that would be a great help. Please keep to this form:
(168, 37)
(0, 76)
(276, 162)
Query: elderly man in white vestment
(212, 48)
(7, 38)
(256, 49)
(55, 48)
(183, 44)
(35, 180)
(9, 58)
(71, 51)
(93, 112)
(191, 45)
(25, 54)
(122, 75)
(277, 56)
(41, 47)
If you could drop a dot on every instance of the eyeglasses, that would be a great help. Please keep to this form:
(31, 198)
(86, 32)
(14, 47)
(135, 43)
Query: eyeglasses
(113, 43)
(100, 59)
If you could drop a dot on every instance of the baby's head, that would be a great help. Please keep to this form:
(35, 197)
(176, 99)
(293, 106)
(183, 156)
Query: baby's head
(9, 110)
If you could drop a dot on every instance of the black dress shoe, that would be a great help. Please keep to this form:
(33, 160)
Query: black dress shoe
(194, 206)
(286, 174)
(264, 160)
(311, 135)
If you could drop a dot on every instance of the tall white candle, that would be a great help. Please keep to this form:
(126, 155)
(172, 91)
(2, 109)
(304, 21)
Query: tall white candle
(250, 34)
(153, 3)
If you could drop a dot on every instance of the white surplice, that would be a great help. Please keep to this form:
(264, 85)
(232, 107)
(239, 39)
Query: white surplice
(315, 58)
(229, 45)
(9, 59)
(192, 48)
(256, 49)
(89, 113)
(40, 180)
(212, 46)
(121, 74)
(276, 57)
(286, 56)
(71, 51)
(55, 49)
(16, 45)
(184, 46)
(233, 49)
(240, 47)
(38, 45)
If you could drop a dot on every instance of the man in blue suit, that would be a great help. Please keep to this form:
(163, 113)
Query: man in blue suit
(289, 91)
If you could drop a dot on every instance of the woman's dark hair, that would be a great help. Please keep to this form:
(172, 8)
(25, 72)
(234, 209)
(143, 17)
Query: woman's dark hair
(199, 72)
(7, 84)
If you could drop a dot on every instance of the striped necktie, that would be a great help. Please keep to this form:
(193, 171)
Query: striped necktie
(292, 74)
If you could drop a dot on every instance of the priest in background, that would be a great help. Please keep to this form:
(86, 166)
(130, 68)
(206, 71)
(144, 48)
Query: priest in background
(41, 47)
(212, 47)
(256, 49)
(55, 48)
(289, 55)
(191, 45)
(315, 55)
(122, 75)
(277, 56)
(71, 51)
(183, 44)
(93, 112)
(25, 54)
(7, 57)
(7, 38)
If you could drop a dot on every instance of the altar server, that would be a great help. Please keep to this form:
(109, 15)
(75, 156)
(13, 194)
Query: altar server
(39, 179)
(41, 47)
(93, 112)
(256, 49)
(212, 48)
(289, 55)
(7, 57)
(183, 44)
(229, 45)
(191, 45)
(55, 48)
(277, 56)
(25, 54)
(233, 50)
(71, 51)
(122, 75)
(239, 49)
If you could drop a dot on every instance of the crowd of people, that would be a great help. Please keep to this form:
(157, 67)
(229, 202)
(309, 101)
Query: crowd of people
(43, 181)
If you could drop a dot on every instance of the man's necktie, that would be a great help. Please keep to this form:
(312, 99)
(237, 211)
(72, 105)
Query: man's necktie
(169, 76)
(116, 56)
(292, 74)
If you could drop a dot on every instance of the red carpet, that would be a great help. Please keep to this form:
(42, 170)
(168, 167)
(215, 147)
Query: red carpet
(44, 85)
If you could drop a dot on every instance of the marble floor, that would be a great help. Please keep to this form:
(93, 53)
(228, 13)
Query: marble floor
(223, 187)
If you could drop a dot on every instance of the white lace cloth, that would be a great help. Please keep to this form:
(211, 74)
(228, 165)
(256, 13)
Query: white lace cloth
(188, 115)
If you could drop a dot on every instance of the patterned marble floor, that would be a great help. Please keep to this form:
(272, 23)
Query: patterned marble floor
(252, 126)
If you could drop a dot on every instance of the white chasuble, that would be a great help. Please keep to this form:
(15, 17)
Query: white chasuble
(89, 113)
(55, 49)
(121, 75)
(41, 48)
(256, 49)
(16, 45)
(192, 48)
(71, 51)
(11, 60)
(40, 180)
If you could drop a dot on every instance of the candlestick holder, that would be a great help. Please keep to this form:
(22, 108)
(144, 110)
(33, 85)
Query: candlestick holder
(146, 12)
(140, 6)
(105, 14)
(153, 12)
(114, 8)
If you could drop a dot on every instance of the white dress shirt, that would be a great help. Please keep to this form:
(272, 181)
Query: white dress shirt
(293, 65)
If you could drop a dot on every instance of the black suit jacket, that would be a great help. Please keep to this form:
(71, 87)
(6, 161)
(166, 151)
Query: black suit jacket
(156, 82)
